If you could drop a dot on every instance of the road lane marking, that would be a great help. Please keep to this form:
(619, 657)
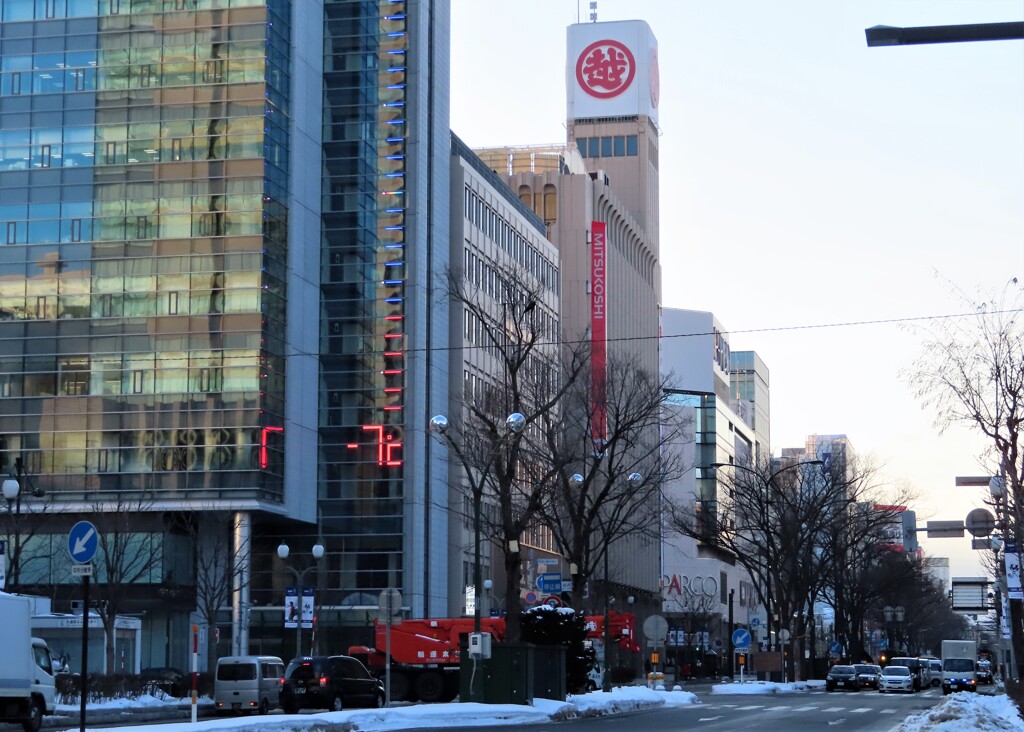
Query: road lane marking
(860, 710)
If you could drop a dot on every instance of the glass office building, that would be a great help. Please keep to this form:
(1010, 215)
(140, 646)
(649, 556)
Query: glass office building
(216, 250)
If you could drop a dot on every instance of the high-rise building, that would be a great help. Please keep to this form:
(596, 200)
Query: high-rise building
(597, 195)
(220, 226)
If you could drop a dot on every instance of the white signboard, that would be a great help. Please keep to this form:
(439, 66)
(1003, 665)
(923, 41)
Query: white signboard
(1013, 584)
(612, 70)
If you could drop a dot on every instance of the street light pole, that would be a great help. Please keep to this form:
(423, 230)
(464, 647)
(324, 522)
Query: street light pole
(634, 481)
(300, 578)
(515, 423)
(12, 493)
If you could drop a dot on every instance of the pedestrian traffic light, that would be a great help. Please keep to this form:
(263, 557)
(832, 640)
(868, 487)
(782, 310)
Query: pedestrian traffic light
(655, 657)
(742, 659)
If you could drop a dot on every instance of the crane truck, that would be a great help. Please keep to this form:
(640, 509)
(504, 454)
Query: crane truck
(425, 654)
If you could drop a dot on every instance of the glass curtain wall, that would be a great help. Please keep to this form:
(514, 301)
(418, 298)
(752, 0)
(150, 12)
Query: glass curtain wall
(143, 190)
(363, 295)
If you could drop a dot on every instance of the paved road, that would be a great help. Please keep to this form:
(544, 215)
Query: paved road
(810, 711)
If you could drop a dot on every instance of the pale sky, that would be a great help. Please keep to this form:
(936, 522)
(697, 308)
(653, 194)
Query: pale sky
(806, 179)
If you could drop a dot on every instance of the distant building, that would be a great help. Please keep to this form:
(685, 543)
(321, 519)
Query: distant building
(699, 582)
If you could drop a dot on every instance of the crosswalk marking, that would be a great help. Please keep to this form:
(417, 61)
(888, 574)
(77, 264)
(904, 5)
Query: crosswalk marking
(887, 711)
(833, 709)
(805, 709)
(860, 710)
(749, 707)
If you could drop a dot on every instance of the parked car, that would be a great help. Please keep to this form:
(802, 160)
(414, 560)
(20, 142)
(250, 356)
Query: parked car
(936, 666)
(842, 677)
(171, 681)
(868, 675)
(329, 682)
(896, 678)
(983, 672)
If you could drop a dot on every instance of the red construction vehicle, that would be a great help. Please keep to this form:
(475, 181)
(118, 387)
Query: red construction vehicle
(425, 654)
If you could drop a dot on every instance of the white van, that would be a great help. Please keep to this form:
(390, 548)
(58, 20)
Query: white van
(247, 684)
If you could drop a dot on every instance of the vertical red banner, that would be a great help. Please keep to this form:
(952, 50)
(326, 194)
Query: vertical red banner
(598, 327)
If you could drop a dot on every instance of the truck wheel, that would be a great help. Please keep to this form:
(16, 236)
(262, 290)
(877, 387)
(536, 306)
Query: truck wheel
(399, 686)
(429, 686)
(35, 716)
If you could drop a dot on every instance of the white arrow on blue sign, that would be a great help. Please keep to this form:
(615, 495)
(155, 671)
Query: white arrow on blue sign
(741, 638)
(835, 647)
(83, 542)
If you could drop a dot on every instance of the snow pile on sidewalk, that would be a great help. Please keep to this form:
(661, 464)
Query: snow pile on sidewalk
(966, 711)
(439, 716)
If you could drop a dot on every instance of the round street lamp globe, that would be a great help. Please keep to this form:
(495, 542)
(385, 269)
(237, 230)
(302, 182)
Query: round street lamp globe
(575, 480)
(634, 480)
(11, 489)
(282, 550)
(515, 422)
(318, 551)
(439, 424)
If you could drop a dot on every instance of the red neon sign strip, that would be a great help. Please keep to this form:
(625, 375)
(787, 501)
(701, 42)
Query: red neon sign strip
(264, 460)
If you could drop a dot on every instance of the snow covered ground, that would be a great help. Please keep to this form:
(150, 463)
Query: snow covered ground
(955, 713)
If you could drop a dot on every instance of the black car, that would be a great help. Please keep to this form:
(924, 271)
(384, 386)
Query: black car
(171, 681)
(329, 682)
(842, 677)
(868, 674)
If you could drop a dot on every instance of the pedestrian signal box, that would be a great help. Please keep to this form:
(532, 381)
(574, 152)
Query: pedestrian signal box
(655, 657)
(741, 659)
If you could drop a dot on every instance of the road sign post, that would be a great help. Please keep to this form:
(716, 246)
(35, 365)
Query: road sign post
(83, 541)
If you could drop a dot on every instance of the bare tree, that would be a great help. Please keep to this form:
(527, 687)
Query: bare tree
(612, 491)
(781, 520)
(971, 370)
(524, 370)
(127, 554)
(216, 567)
(27, 547)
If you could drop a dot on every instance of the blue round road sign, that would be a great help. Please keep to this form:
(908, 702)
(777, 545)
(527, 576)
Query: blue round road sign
(83, 542)
(741, 638)
(835, 647)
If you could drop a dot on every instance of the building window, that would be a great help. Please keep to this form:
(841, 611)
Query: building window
(141, 227)
(176, 149)
(41, 307)
(172, 303)
(213, 72)
(581, 144)
(111, 153)
(16, 83)
(76, 230)
(145, 74)
(593, 147)
(620, 146)
(44, 156)
(12, 233)
(631, 145)
(138, 381)
(606, 147)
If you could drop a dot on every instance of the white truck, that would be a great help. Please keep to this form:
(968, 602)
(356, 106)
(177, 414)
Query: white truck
(26, 671)
(959, 665)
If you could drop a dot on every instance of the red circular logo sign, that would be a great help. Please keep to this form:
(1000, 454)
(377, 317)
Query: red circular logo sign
(605, 69)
